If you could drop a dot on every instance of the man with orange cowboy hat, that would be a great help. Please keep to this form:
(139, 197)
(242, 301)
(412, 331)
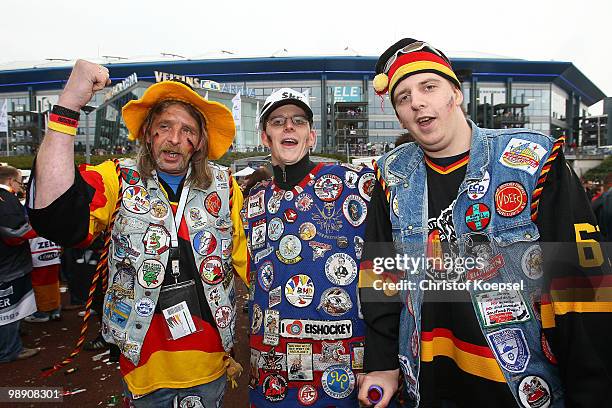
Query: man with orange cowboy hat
(175, 234)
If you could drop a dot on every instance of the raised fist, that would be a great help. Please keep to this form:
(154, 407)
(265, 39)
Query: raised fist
(85, 79)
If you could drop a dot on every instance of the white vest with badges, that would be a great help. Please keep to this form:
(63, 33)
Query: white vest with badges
(139, 252)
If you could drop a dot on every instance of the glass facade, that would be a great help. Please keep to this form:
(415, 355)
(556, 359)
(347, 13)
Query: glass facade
(347, 113)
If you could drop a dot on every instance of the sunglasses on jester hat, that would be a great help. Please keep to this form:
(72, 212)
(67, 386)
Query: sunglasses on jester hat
(415, 46)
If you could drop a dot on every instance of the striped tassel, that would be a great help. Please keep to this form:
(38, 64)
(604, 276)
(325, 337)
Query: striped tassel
(537, 192)
(381, 180)
(231, 188)
(101, 270)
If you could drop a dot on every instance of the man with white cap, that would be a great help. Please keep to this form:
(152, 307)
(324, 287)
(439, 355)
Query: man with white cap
(305, 229)
(175, 234)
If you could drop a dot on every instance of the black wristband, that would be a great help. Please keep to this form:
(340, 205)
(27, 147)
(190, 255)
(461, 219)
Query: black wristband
(62, 111)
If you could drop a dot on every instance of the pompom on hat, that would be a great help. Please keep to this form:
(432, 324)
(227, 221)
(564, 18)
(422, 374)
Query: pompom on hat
(220, 125)
(408, 57)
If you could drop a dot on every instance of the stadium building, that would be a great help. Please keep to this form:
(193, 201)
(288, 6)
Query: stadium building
(548, 96)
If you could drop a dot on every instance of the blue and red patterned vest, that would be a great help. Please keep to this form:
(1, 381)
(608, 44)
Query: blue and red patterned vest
(307, 336)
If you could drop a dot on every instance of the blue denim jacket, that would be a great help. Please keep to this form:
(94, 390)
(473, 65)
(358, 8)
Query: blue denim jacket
(515, 342)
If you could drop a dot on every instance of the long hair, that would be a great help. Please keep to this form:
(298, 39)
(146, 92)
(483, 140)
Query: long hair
(201, 173)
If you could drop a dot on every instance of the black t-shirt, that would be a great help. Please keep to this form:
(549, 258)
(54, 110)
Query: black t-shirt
(451, 338)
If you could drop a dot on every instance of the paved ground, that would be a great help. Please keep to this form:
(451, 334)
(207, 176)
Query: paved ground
(99, 379)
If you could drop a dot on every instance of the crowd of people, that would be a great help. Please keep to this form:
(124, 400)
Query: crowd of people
(335, 319)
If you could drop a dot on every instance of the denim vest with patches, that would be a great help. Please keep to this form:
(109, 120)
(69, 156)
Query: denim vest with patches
(514, 255)
(132, 296)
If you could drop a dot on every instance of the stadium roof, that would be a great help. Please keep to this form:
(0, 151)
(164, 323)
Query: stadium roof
(225, 66)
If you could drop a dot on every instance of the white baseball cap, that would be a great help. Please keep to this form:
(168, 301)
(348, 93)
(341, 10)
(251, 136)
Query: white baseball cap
(284, 96)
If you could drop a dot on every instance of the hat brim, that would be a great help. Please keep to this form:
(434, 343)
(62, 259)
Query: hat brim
(219, 120)
(265, 114)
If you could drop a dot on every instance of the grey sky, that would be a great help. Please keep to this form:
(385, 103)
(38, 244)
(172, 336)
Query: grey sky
(562, 30)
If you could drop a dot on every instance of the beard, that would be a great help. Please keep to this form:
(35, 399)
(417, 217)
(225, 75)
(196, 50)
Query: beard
(181, 165)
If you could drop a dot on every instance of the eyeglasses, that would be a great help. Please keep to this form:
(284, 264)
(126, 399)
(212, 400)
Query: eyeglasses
(18, 182)
(415, 46)
(280, 121)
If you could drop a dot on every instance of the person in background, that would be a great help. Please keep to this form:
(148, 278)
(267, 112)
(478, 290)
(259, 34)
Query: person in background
(16, 294)
(46, 264)
(602, 207)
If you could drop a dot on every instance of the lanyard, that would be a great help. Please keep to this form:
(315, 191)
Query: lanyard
(178, 216)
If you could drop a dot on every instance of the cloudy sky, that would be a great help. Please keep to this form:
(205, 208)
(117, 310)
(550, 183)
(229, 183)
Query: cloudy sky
(561, 30)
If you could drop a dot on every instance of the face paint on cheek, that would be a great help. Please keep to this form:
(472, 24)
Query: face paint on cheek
(451, 102)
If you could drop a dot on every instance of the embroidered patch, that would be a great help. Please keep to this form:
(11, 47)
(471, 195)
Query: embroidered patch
(318, 249)
(340, 269)
(212, 202)
(290, 215)
(299, 362)
(130, 176)
(274, 387)
(271, 360)
(275, 229)
(497, 308)
(358, 243)
(191, 401)
(156, 239)
(531, 262)
(477, 217)
(258, 234)
(303, 202)
(204, 243)
(151, 274)
(265, 275)
(316, 329)
(136, 199)
(510, 348)
(197, 218)
(350, 179)
(274, 297)
(223, 316)
(144, 307)
(328, 187)
(274, 202)
(256, 318)
(289, 248)
(211, 270)
(299, 290)
(366, 185)
(477, 189)
(271, 327)
(354, 210)
(307, 231)
(335, 301)
(487, 264)
(307, 395)
(534, 392)
(510, 199)
(338, 381)
(256, 206)
(159, 209)
(522, 155)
